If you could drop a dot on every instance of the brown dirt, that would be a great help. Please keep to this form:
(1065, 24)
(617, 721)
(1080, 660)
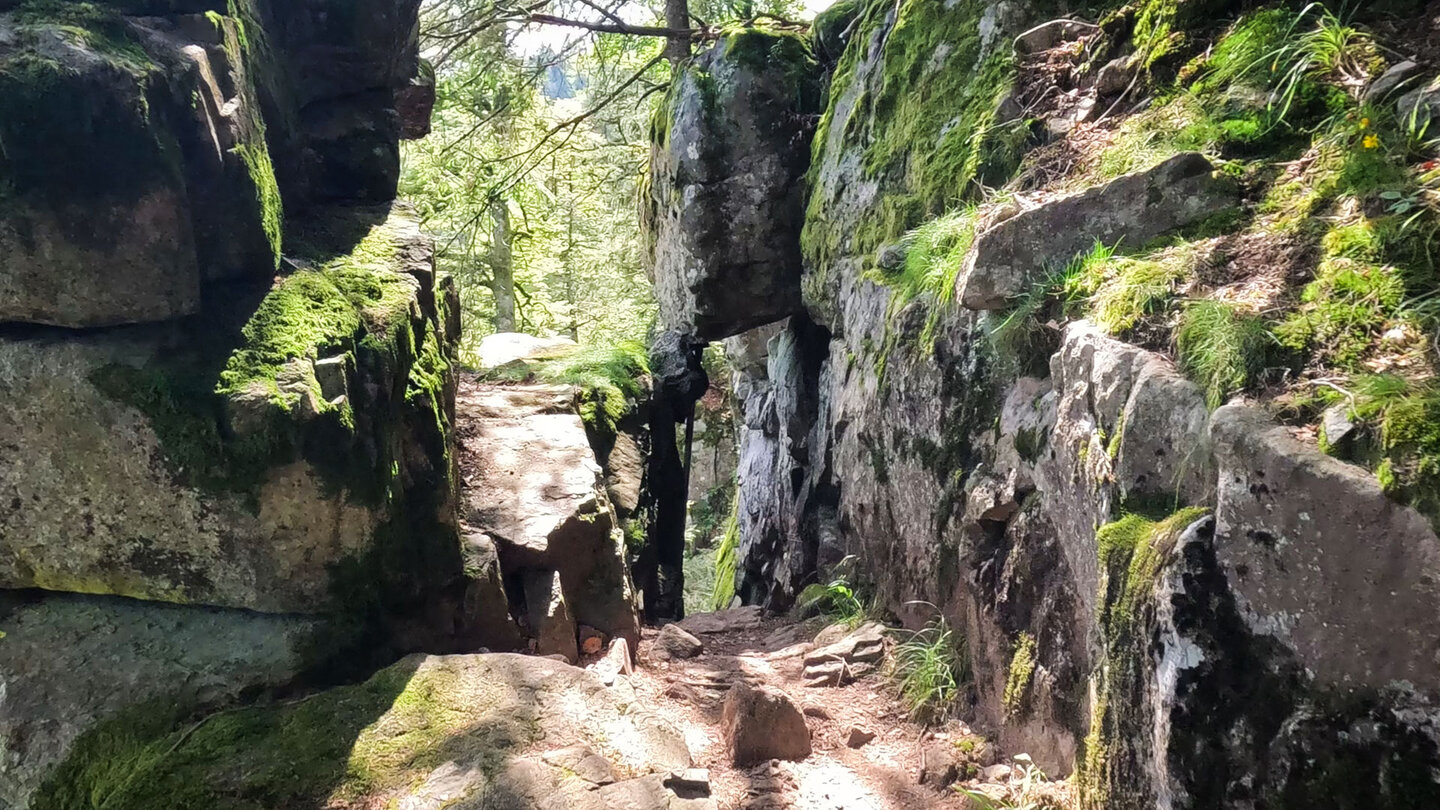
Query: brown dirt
(881, 775)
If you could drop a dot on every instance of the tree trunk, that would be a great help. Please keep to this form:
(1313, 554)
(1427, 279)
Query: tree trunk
(502, 268)
(677, 16)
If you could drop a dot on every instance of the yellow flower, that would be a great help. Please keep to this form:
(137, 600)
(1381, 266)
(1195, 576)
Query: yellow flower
(1371, 141)
(1364, 123)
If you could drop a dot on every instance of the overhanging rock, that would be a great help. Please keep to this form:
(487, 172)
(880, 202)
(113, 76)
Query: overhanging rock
(726, 208)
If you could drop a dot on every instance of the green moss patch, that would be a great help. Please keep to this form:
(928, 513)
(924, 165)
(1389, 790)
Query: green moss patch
(350, 746)
(611, 379)
(1133, 551)
(1022, 672)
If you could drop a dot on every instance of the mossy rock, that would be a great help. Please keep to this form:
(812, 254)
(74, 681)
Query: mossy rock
(467, 720)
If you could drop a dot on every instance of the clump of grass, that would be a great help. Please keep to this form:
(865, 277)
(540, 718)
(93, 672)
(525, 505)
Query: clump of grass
(1119, 293)
(1016, 339)
(1221, 348)
(931, 668)
(934, 254)
(1406, 415)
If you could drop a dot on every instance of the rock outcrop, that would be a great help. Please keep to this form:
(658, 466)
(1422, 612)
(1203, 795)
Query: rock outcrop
(494, 730)
(226, 396)
(725, 202)
(536, 490)
(1182, 608)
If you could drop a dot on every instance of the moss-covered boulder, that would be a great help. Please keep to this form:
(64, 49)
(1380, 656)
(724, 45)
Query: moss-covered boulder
(297, 442)
(135, 164)
(730, 145)
(496, 730)
(67, 662)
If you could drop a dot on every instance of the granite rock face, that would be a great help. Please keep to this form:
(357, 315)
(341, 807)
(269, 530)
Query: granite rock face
(1182, 609)
(141, 476)
(725, 196)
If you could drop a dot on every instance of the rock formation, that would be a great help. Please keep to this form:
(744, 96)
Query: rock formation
(226, 396)
(1180, 606)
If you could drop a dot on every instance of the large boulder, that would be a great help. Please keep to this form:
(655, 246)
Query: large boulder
(348, 67)
(287, 458)
(1015, 254)
(67, 662)
(1321, 559)
(725, 198)
(535, 488)
(135, 166)
(762, 723)
(494, 730)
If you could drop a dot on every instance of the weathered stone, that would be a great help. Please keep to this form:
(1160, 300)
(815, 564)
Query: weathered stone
(1420, 105)
(415, 102)
(723, 621)
(1134, 209)
(548, 618)
(502, 348)
(726, 196)
(1288, 518)
(674, 642)
(855, 655)
(858, 737)
(1115, 77)
(1391, 80)
(118, 480)
(68, 662)
(616, 662)
(762, 723)
(484, 614)
(538, 492)
(479, 717)
(939, 765)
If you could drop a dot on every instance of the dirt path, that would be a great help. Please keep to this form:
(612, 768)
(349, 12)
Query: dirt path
(883, 774)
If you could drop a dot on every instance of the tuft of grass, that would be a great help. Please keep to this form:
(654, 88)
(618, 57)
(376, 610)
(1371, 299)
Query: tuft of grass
(1119, 293)
(932, 666)
(1026, 789)
(1220, 348)
(839, 599)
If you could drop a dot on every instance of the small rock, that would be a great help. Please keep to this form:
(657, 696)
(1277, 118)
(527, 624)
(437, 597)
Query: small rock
(615, 663)
(762, 723)
(691, 783)
(816, 711)
(996, 773)
(1114, 77)
(1390, 81)
(592, 641)
(1337, 425)
(1047, 35)
(674, 642)
(890, 257)
(858, 653)
(1421, 104)
(858, 737)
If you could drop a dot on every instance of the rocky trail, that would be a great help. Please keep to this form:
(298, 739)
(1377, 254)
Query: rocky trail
(757, 702)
